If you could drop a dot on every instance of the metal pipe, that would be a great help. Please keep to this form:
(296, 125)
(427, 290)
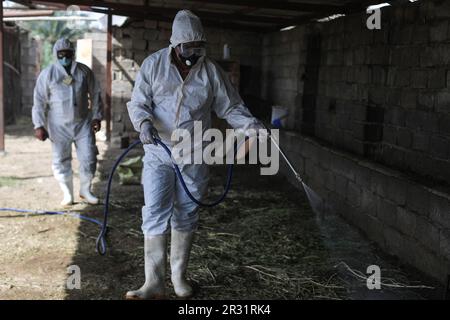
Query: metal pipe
(296, 174)
(108, 106)
(43, 18)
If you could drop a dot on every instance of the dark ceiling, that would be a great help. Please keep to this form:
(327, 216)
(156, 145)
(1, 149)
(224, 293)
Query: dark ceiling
(256, 15)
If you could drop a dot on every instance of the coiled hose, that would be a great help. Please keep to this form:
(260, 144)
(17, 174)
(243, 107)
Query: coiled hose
(101, 239)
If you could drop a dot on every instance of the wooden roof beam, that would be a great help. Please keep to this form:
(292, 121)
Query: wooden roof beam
(171, 12)
(280, 5)
(206, 22)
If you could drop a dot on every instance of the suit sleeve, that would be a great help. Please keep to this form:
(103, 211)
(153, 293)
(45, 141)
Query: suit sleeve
(140, 106)
(40, 100)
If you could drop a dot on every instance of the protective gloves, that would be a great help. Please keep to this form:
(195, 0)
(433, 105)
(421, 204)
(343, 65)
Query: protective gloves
(41, 134)
(148, 133)
(96, 125)
(256, 129)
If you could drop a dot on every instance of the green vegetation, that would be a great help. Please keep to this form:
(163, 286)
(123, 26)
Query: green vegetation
(8, 181)
(50, 31)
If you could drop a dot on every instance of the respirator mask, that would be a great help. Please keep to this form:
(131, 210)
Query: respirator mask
(192, 51)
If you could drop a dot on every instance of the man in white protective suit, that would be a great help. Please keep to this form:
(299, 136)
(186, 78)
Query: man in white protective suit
(175, 87)
(68, 109)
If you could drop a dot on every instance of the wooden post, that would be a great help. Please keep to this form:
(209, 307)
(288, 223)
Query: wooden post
(108, 106)
(2, 98)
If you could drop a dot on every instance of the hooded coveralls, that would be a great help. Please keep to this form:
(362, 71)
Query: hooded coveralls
(64, 110)
(161, 96)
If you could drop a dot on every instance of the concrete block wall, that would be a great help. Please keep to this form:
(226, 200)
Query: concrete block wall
(12, 73)
(99, 46)
(382, 93)
(283, 60)
(405, 218)
(133, 42)
(391, 182)
(29, 65)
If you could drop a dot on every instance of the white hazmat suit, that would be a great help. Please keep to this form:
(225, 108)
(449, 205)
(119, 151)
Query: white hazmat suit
(66, 104)
(162, 97)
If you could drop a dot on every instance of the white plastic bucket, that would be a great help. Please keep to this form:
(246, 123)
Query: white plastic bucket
(226, 51)
(279, 116)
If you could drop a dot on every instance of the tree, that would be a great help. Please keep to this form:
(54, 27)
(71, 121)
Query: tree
(49, 31)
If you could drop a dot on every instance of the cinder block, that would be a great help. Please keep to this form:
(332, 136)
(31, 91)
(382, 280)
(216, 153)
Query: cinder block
(429, 57)
(377, 95)
(151, 34)
(396, 191)
(139, 44)
(404, 137)
(368, 202)
(393, 97)
(437, 78)
(379, 75)
(409, 99)
(421, 34)
(420, 142)
(419, 78)
(390, 134)
(359, 56)
(440, 211)
(354, 194)
(438, 31)
(430, 122)
(426, 100)
(378, 55)
(444, 125)
(126, 43)
(406, 221)
(444, 246)
(443, 101)
(375, 231)
(341, 185)
(418, 200)
(397, 244)
(440, 147)
(387, 212)
(150, 24)
(427, 234)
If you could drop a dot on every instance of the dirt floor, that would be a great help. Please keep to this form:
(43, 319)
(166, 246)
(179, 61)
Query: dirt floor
(263, 242)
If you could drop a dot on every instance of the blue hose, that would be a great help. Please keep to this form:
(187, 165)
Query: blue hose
(101, 239)
(73, 214)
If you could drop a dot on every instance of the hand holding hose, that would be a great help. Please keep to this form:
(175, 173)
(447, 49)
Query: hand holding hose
(148, 134)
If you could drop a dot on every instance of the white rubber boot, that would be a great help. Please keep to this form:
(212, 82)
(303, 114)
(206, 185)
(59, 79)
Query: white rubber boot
(67, 188)
(155, 254)
(180, 248)
(85, 190)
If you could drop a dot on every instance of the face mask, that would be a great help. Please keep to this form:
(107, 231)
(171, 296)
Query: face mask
(190, 55)
(191, 60)
(65, 62)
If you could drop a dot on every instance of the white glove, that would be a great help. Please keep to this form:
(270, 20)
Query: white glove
(148, 133)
